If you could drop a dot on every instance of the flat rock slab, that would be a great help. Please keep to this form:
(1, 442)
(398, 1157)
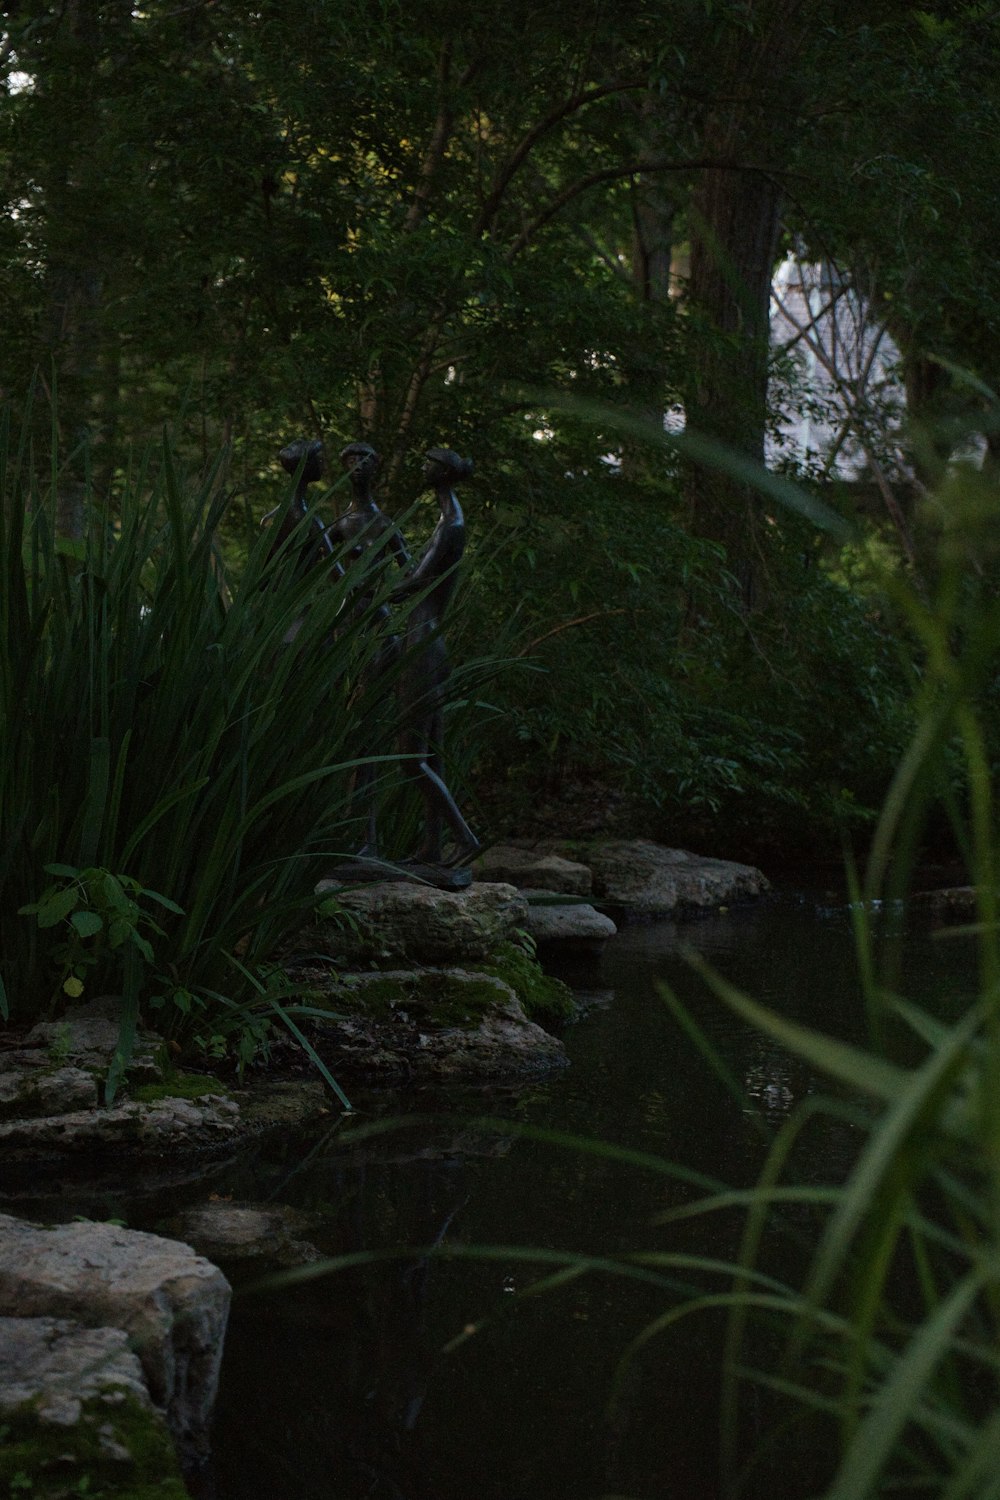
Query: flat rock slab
(638, 879)
(164, 1127)
(573, 925)
(60, 1066)
(416, 923)
(953, 902)
(172, 1304)
(445, 1025)
(29, 1085)
(530, 869)
(261, 1233)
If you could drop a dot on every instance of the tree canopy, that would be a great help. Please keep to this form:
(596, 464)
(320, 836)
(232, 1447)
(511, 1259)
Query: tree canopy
(528, 234)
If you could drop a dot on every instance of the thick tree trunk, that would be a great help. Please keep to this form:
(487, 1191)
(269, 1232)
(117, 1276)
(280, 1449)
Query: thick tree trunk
(651, 250)
(735, 217)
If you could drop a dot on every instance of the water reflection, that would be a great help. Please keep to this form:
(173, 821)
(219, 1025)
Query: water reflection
(768, 1086)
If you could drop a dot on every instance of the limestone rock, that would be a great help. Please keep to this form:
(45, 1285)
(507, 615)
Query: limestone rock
(57, 1364)
(86, 1037)
(574, 925)
(418, 924)
(77, 1416)
(165, 1126)
(948, 903)
(433, 1024)
(29, 1085)
(232, 1232)
(531, 869)
(172, 1303)
(641, 879)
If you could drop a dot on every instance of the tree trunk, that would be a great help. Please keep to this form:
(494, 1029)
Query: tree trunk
(651, 249)
(735, 218)
(733, 246)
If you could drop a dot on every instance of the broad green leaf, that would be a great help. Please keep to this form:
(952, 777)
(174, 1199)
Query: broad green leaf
(54, 909)
(86, 923)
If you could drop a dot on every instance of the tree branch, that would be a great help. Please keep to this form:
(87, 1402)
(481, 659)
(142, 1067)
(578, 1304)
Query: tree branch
(531, 138)
(438, 142)
(597, 614)
(631, 169)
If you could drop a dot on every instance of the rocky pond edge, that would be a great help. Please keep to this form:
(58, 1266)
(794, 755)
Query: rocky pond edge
(111, 1338)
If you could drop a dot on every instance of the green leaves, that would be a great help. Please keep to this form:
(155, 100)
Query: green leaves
(174, 776)
(54, 906)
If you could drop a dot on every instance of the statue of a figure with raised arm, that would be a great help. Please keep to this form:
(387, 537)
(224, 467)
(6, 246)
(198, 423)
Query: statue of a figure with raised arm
(425, 669)
(417, 648)
(362, 526)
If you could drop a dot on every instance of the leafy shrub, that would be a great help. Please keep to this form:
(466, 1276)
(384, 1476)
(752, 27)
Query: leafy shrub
(631, 665)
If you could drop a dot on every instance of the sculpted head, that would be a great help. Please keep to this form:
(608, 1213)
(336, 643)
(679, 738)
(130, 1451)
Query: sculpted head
(309, 454)
(444, 465)
(360, 461)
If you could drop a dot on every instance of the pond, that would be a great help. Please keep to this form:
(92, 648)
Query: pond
(419, 1376)
(429, 1378)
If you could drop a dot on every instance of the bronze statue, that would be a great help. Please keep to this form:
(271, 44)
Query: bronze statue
(364, 523)
(425, 668)
(305, 459)
(361, 526)
(420, 654)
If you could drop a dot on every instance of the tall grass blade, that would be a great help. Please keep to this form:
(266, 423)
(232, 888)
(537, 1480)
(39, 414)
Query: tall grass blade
(896, 1401)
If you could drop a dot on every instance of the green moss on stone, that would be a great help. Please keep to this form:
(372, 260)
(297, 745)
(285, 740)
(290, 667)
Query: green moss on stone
(181, 1086)
(376, 997)
(543, 997)
(43, 1461)
(442, 997)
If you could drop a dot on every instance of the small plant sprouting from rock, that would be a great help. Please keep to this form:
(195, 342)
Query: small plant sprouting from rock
(60, 1045)
(101, 914)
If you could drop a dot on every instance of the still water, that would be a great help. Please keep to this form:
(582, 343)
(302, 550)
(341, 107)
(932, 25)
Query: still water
(352, 1385)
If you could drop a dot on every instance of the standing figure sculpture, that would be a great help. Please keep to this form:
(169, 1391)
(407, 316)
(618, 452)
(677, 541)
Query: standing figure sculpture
(419, 656)
(361, 526)
(425, 669)
(364, 524)
(306, 459)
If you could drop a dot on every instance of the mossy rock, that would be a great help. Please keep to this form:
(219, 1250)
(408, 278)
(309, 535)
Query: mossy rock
(544, 998)
(451, 996)
(117, 1448)
(180, 1086)
(426, 997)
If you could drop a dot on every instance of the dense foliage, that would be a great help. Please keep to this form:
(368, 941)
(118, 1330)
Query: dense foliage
(528, 235)
(177, 752)
(526, 240)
